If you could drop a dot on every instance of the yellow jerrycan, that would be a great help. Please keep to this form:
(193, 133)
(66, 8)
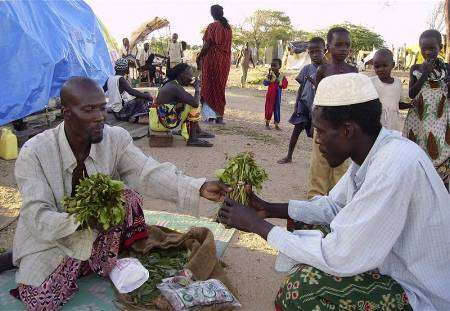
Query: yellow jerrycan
(8, 145)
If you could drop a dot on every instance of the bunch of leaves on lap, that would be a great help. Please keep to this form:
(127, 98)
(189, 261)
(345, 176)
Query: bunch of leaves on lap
(98, 198)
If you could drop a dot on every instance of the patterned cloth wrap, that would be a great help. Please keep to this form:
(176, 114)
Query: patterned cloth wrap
(428, 123)
(308, 288)
(168, 115)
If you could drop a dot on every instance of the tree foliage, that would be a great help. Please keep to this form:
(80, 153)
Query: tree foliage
(160, 45)
(362, 38)
(263, 28)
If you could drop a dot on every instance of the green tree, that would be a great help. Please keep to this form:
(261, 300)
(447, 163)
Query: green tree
(263, 28)
(301, 35)
(160, 45)
(362, 38)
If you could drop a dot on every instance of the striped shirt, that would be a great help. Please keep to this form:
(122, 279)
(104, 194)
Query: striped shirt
(45, 234)
(390, 213)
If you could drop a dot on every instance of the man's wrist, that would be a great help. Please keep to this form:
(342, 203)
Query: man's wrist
(262, 228)
(269, 208)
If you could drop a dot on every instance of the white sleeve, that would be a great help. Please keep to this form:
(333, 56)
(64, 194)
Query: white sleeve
(320, 209)
(158, 180)
(363, 232)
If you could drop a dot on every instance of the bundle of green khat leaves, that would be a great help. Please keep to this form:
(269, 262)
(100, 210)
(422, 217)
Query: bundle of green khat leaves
(100, 198)
(242, 170)
(160, 265)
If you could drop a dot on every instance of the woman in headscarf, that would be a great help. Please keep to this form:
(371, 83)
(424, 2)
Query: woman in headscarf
(174, 106)
(215, 60)
(126, 103)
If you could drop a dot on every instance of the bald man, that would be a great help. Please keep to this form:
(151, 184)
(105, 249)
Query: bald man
(50, 248)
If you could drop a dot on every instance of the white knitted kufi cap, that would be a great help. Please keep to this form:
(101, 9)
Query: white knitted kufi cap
(345, 89)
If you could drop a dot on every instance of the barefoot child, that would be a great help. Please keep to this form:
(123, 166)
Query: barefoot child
(428, 123)
(389, 88)
(301, 118)
(276, 82)
(322, 177)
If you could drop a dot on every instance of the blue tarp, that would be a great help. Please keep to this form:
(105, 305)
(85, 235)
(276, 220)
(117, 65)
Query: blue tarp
(42, 45)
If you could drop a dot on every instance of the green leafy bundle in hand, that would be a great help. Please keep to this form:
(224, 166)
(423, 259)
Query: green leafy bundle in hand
(242, 170)
(98, 198)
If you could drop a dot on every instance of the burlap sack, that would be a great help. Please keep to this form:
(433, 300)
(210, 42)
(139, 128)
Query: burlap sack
(203, 261)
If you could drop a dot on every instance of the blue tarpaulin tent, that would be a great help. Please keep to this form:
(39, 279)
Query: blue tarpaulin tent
(42, 45)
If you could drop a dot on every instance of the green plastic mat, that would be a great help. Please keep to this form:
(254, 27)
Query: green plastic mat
(95, 293)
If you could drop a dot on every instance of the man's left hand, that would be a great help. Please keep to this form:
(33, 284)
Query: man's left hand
(214, 191)
(243, 218)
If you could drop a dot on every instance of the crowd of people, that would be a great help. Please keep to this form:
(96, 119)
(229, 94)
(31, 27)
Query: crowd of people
(373, 234)
(427, 121)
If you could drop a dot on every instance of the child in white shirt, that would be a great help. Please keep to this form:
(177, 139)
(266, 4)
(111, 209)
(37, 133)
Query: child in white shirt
(389, 89)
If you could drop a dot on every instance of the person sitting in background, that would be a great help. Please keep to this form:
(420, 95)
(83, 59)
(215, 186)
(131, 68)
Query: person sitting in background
(145, 61)
(174, 106)
(175, 51)
(126, 103)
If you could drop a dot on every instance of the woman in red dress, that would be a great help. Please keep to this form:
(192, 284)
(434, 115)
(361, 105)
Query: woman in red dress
(214, 60)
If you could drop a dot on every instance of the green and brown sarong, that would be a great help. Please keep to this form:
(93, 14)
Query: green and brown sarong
(310, 289)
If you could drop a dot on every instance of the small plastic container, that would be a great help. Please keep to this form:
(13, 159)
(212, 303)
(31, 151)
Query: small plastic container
(8, 145)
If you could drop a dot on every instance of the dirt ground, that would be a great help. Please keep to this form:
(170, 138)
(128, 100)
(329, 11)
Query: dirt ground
(250, 260)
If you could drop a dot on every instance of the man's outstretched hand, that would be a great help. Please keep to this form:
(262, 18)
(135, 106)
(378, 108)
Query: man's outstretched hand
(214, 191)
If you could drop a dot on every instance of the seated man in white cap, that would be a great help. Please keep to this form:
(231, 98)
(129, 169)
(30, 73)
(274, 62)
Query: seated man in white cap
(385, 243)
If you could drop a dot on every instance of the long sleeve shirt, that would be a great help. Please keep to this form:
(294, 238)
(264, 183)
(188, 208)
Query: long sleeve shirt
(390, 213)
(45, 233)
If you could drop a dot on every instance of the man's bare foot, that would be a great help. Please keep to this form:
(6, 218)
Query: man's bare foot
(285, 160)
(277, 127)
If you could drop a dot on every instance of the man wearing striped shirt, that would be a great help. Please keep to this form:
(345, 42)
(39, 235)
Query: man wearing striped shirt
(384, 230)
(51, 248)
